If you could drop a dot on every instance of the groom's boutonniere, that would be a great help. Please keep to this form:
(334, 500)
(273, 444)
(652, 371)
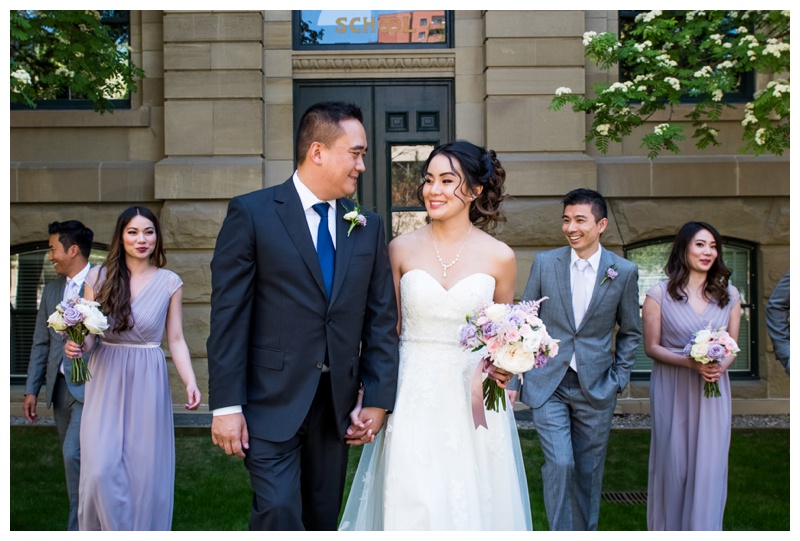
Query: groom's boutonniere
(611, 273)
(355, 218)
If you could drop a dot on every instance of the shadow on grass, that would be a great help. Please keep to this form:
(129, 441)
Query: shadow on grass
(212, 490)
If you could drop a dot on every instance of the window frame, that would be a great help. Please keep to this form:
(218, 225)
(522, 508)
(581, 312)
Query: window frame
(448, 42)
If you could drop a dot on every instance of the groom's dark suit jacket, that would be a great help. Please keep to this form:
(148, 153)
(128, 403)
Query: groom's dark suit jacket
(272, 324)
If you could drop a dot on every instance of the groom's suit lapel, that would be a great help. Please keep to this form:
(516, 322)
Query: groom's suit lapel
(290, 211)
(564, 285)
(344, 247)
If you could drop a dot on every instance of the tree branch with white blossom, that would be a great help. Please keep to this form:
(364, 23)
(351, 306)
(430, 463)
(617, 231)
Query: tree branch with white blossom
(669, 56)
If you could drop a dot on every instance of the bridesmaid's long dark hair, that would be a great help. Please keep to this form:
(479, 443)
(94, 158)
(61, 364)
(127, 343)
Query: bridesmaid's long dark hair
(677, 268)
(115, 293)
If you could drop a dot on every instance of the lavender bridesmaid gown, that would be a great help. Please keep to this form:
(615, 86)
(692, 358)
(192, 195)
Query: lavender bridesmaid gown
(691, 434)
(127, 437)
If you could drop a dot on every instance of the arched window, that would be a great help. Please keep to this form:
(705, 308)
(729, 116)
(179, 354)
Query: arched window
(651, 256)
(30, 271)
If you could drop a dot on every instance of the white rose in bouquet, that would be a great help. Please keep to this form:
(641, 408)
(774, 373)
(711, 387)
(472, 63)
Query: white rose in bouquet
(56, 321)
(496, 312)
(514, 358)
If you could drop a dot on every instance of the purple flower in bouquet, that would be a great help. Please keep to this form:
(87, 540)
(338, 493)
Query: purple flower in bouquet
(468, 337)
(489, 329)
(716, 352)
(515, 318)
(72, 316)
(541, 360)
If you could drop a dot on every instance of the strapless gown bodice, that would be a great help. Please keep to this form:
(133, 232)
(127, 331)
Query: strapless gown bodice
(432, 313)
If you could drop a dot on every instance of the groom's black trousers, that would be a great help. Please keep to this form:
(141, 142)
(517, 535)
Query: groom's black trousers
(298, 484)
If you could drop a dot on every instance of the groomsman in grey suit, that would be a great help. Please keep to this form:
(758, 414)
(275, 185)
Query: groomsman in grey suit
(591, 291)
(70, 245)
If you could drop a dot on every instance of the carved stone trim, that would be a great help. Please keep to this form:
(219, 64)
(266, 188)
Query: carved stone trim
(351, 64)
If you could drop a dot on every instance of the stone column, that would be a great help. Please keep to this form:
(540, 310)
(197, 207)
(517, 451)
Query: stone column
(213, 147)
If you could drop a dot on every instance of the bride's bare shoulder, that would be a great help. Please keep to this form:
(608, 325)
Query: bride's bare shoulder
(497, 249)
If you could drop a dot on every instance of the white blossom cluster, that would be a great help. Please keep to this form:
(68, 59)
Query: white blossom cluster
(22, 76)
(775, 47)
(563, 90)
(647, 17)
(673, 82)
(661, 128)
(760, 136)
(749, 117)
(665, 61)
(716, 95)
(643, 45)
(64, 71)
(588, 37)
(705, 71)
(624, 87)
(779, 87)
(602, 129)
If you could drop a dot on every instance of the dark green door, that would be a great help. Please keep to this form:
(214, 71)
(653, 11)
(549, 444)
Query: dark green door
(404, 120)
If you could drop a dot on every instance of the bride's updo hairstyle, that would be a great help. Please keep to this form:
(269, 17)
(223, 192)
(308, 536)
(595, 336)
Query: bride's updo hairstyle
(481, 168)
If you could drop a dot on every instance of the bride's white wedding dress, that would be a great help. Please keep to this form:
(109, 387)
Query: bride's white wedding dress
(431, 469)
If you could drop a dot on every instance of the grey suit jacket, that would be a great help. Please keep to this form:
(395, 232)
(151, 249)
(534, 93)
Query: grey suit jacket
(777, 316)
(616, 302)
(47, 350)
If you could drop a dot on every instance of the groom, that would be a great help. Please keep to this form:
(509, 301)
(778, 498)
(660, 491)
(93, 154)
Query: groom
(591, 291)
(303, 321)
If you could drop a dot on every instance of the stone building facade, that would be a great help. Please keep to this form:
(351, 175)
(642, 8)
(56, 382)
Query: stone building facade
(214, 118)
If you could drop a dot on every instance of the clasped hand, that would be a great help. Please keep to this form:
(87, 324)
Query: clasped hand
(710, 372)
(365, 423)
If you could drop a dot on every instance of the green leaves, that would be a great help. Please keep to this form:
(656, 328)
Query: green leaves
(56, 53)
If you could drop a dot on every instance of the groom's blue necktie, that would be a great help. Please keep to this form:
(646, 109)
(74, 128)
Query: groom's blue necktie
(325, 250)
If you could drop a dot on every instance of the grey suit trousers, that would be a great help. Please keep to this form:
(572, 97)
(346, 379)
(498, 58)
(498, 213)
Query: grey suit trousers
(574, 439)
(67, 413)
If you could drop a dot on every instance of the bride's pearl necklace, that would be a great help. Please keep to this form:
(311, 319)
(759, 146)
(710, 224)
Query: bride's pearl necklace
(444, 265)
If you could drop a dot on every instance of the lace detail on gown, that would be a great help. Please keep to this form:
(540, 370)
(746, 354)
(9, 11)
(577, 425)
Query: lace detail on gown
(430, 469)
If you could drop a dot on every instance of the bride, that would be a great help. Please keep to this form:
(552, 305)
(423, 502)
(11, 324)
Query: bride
(431, 469)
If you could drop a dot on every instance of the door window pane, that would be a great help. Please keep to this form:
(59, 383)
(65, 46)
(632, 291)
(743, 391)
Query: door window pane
(406, 160)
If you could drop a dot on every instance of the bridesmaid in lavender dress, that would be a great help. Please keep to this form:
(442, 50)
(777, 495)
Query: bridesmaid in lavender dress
(127, 437)
(691, 434)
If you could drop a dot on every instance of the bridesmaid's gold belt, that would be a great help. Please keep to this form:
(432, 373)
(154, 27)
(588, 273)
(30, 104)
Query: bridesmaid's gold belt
(145, 345)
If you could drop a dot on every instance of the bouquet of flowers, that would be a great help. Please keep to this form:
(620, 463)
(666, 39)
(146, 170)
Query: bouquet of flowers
(75, 318)
(515, 339)
(709, 346)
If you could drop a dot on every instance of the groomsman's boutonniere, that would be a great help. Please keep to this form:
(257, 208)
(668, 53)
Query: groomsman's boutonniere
(611, 273)
(355, 218)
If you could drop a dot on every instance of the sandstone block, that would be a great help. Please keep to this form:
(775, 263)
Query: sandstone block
(207, 178)
(192, 225)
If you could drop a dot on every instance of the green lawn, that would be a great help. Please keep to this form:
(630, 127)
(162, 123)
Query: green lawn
(212, 491)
